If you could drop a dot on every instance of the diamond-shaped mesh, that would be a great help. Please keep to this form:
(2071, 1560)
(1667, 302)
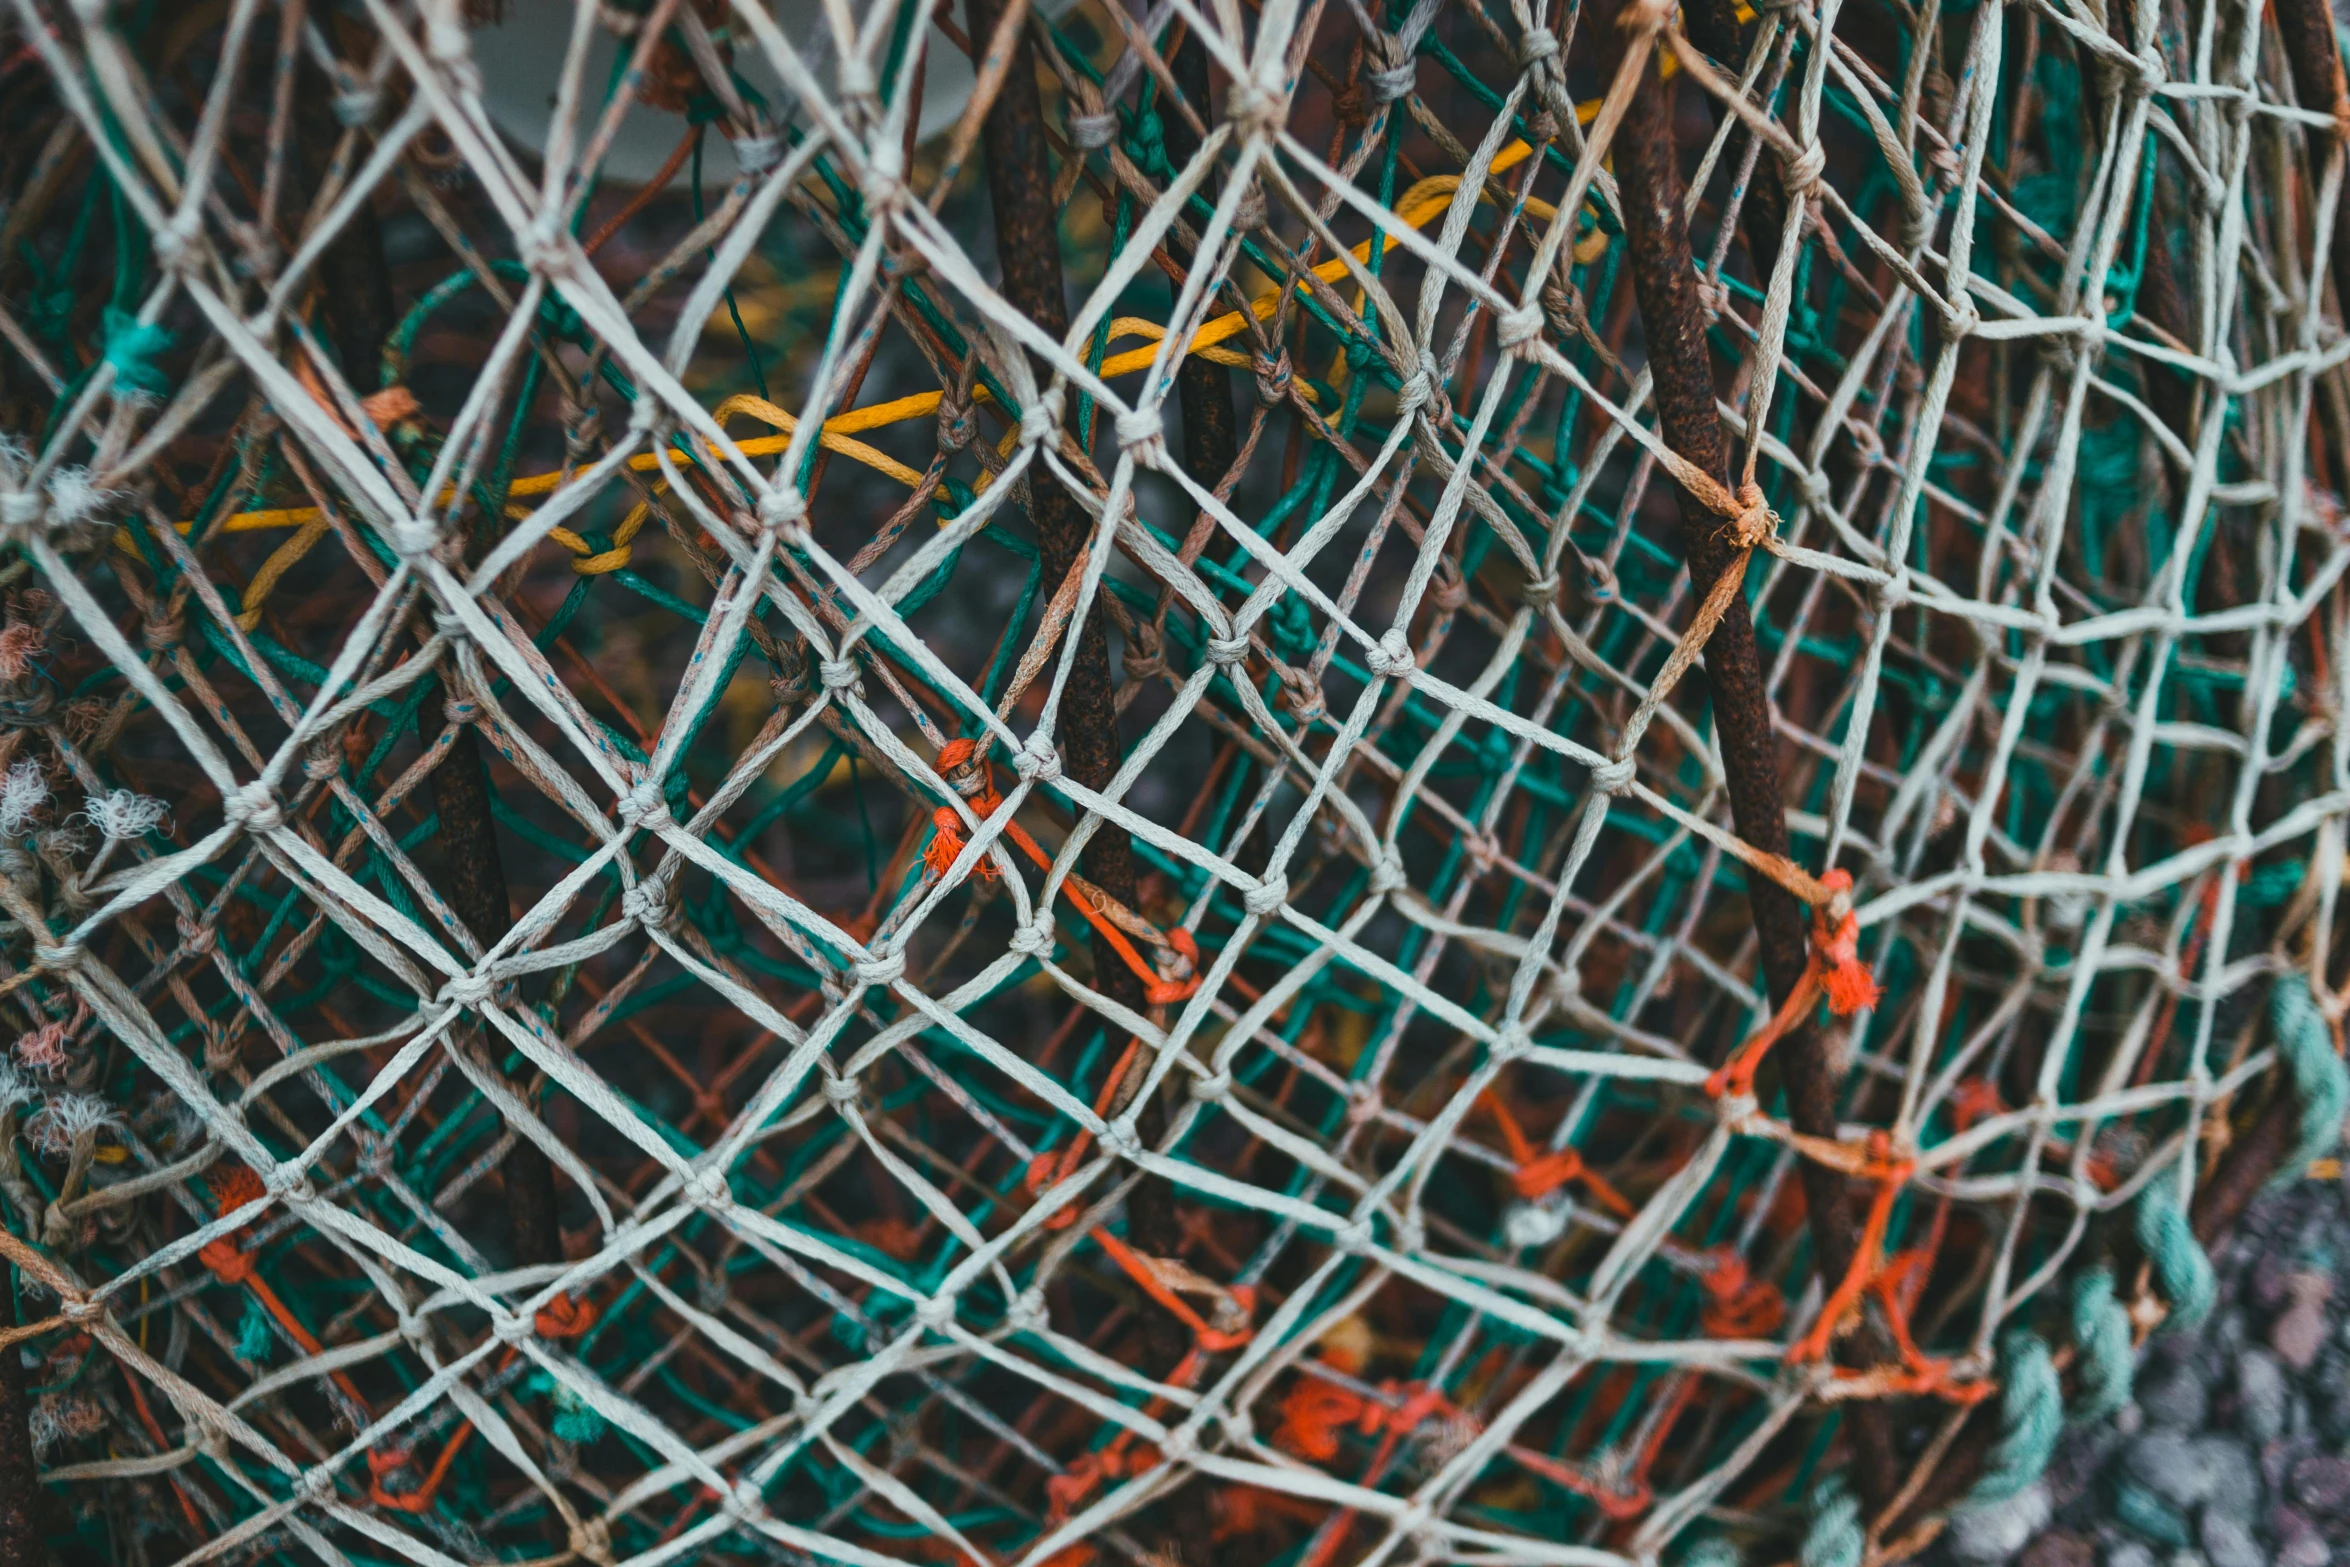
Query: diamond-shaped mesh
(596, 971)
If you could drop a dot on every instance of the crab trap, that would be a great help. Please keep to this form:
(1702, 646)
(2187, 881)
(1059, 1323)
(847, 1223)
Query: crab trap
(1147, 782)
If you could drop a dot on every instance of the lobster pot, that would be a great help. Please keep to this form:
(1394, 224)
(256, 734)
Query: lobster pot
(1262, 782)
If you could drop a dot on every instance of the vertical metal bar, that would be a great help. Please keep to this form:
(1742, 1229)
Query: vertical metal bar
(1211, 430)
(1028, 247)
(1673, 319)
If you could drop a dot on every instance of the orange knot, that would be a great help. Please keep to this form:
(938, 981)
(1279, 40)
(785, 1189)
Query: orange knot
(1739, 1305)
(1313, 1414)
(1315, 1411)
(229, 1262)
(564, 1317)
(382, 1464)
(964, 766)
(1538, 1175)
(1836, 952)
(1180, 976)
(1547, 1174)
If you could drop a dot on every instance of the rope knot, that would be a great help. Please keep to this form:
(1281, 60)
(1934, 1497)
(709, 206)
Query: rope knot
(1141, 432)
(1227, 651)
(840, 674)
(564, 1317)
(1273, 378)
(1039, 760)
(254, 807)
(1520, 327)
(465, 990)
(1613, 777)
(163, 630)
(356, 107)
(1420, 390)
(783, 510)
(1754, 521)
(1738, 1305)
(883, 969)
(1254, 108)
(1804, 173)
(1093, 132)
(1040, 421)
(962, 765)
(228, 1262)
(755, 155)
(1393, 80)
(1391, 654)
(957, 426)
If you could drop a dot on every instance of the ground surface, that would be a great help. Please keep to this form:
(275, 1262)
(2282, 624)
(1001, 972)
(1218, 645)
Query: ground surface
(2236, 1451)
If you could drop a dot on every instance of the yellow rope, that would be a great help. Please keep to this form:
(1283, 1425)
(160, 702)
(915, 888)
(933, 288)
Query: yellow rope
(1420, 204)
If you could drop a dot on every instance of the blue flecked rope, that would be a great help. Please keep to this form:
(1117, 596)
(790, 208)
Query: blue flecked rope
(2307, 1045)
(2031, 1417)
(1835, 1538)
(2179, 1262)
(2101, 1331)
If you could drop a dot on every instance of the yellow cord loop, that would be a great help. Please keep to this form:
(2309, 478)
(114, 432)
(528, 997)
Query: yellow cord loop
(1421, 204)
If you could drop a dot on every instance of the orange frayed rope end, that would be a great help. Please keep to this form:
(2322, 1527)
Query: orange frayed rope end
(946, 842)
(1835, 939)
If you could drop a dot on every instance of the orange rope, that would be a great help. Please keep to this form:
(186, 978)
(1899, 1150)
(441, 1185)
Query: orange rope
(1833, 970)
(946, 843)
(1538, 1175)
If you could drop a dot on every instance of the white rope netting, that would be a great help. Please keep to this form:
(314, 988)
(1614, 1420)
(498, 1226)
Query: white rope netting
(1456, 1247)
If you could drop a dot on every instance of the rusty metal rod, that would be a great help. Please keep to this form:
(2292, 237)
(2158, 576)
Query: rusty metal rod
(2315, 54)
(357, 296)
(1028, 248)
(1673, 320)
(1762, 217)
(1211, 431)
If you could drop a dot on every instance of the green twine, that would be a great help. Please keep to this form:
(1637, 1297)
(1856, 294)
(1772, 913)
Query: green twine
(2307, 1045)
(2178, 1261)
(2031, 1417)
(1834, 1538)
(2101, 1330)
(131, 347)
(575, 1419)
(253, 1336)
(1713, 1551)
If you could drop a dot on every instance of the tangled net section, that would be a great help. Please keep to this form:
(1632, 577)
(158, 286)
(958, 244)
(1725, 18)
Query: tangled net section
(1326, 783)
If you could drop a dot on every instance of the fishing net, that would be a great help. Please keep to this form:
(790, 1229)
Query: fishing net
(1037, 808)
